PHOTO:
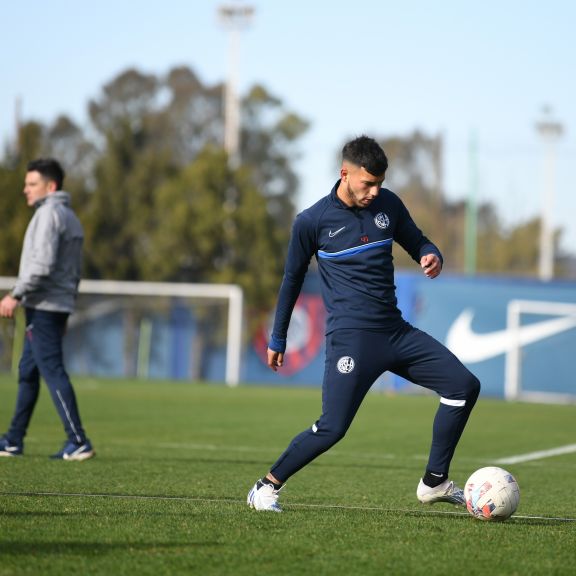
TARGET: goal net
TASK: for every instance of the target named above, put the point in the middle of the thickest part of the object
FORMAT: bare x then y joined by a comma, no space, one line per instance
539,361
146,330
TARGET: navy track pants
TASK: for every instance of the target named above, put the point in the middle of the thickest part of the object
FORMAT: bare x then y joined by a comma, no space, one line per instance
43,356
354,360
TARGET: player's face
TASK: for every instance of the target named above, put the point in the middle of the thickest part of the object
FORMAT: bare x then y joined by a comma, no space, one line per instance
37,187
360,187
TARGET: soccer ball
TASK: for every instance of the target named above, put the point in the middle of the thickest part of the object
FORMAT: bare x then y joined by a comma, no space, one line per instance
492,493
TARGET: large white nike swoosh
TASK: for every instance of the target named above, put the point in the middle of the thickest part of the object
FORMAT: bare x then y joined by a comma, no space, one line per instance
470,346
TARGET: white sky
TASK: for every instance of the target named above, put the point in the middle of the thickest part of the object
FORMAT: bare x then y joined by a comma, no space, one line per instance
448,67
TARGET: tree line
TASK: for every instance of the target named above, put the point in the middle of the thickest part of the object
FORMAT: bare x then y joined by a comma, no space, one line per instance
153,187
160,201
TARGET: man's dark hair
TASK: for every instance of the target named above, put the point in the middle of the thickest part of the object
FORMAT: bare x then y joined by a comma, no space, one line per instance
50,169
366,153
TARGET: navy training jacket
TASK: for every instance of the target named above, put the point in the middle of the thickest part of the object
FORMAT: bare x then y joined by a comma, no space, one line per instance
353,248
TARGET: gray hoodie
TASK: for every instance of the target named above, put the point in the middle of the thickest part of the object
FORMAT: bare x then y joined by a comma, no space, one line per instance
51,260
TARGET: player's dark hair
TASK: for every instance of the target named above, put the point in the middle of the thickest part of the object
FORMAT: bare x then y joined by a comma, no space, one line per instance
367,153
50,169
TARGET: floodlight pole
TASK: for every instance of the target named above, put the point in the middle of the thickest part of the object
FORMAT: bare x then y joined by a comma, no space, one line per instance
550,132
234,17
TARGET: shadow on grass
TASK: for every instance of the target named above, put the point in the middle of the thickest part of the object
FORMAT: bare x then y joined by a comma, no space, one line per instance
34,548
27,515
462,516
542,521
184,499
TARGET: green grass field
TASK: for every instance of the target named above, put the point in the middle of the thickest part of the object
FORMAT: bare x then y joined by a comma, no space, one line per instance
166,493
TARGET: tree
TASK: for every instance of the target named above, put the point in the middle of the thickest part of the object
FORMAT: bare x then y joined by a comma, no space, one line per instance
513,252
125,101
15,213
66,141
269,133
63,140
214,226
193,117
162,161
121,210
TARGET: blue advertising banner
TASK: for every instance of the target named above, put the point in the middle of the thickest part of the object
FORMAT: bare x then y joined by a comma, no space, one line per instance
470,315
518,336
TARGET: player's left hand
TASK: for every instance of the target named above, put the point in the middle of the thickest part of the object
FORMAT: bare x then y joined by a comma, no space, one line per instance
431,264
275,359
7,306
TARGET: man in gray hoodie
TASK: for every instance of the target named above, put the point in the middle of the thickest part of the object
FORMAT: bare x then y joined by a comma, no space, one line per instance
47,287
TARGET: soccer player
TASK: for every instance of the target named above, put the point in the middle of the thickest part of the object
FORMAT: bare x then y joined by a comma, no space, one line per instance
350,232
47,286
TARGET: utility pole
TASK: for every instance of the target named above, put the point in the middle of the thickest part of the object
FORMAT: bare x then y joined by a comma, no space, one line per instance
471,234
550,132
234,17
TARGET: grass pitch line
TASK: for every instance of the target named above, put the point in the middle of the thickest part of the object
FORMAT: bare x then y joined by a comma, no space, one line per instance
412,512
569,449
272,449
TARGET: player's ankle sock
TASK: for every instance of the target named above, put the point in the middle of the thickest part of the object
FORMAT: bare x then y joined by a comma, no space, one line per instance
432,479
276,485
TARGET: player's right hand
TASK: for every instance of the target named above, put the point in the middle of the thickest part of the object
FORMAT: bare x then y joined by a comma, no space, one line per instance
7,306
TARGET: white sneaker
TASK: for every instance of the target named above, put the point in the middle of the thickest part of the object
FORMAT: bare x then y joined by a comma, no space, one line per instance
445,492
264,497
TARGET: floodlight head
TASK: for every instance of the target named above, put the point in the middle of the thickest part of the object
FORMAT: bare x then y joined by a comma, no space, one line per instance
236,15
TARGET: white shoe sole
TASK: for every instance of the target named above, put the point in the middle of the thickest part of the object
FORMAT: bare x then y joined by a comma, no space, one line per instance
79,457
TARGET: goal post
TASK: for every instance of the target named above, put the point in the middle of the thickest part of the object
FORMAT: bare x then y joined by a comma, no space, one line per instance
230,293
564,320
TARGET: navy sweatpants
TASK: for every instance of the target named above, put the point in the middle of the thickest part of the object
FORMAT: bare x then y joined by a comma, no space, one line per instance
43,356
354,360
